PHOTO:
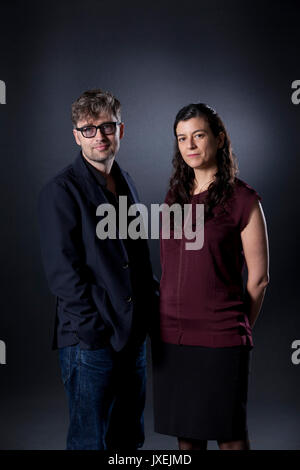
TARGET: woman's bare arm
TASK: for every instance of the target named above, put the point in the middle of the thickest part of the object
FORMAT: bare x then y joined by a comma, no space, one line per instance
256,250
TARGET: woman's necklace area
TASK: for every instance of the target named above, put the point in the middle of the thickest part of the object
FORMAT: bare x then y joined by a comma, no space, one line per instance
204,185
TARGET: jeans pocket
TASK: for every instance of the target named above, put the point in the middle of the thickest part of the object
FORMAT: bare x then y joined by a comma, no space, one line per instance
101,358
65,359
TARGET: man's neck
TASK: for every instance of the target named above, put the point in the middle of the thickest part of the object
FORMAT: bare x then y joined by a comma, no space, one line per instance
104,167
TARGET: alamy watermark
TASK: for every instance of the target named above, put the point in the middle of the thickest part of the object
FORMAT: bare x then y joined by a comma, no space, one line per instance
169,460
2,92
2,352
296,354
184,223
296,94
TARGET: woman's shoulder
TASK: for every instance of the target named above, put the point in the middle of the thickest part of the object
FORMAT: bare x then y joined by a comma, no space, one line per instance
243,199
244,190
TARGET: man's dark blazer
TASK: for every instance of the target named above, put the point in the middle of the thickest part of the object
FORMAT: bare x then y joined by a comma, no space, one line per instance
90,277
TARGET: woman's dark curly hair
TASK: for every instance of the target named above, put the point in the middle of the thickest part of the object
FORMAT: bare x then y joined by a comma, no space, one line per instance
182,180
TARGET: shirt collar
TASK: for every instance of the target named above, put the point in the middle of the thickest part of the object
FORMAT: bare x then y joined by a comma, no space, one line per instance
97,174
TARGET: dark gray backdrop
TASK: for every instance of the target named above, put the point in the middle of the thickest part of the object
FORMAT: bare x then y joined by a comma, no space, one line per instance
239,57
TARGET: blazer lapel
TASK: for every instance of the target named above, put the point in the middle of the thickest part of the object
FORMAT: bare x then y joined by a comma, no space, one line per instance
93,191
133,193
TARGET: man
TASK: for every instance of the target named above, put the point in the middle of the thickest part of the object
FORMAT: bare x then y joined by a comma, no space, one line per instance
104,287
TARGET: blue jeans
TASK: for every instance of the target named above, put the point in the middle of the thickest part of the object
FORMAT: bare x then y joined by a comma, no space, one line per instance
106,396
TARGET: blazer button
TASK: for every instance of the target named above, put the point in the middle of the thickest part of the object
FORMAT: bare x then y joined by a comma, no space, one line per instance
125,266
128,299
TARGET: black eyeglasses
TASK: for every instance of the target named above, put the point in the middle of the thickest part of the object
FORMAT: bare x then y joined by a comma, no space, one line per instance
106,128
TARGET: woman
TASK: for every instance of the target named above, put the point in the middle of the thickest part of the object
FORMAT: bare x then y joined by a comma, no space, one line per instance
201,362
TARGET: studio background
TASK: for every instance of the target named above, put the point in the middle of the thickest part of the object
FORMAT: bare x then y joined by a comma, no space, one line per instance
239,57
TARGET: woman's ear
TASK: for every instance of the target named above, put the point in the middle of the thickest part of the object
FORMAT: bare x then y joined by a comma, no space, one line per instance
221,139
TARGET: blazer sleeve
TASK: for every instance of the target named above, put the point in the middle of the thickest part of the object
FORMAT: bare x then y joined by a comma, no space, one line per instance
63,258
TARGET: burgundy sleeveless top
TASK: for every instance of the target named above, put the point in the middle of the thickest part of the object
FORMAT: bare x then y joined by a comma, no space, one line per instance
201,292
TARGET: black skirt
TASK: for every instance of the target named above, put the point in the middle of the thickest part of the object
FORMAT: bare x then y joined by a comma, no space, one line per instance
201,392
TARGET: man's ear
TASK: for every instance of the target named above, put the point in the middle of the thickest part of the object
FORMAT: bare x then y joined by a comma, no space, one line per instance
121,130
75,134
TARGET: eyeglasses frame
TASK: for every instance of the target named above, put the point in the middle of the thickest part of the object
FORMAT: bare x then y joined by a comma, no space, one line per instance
81,129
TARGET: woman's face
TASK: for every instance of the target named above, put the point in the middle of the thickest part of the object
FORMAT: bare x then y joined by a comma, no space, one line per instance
197,144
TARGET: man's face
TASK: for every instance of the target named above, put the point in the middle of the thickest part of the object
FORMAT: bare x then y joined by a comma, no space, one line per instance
102,147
